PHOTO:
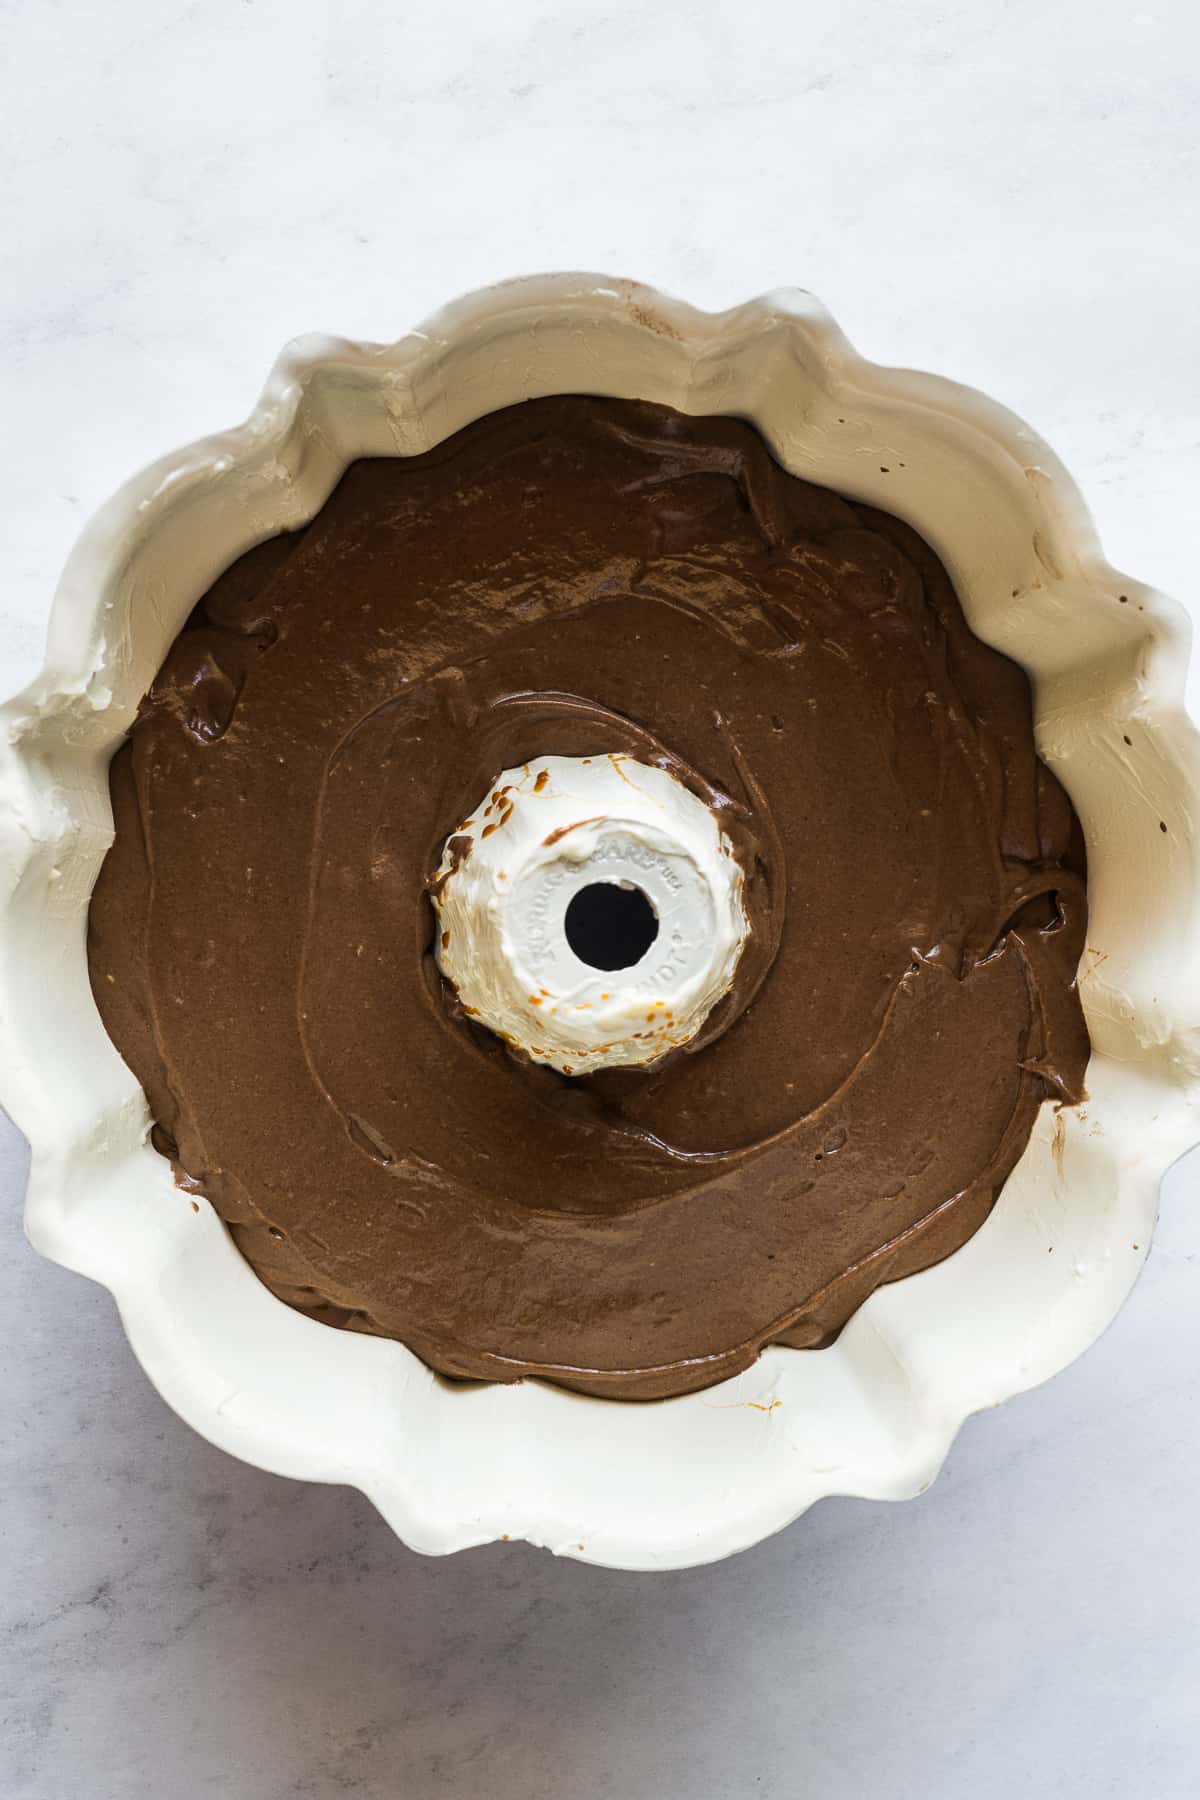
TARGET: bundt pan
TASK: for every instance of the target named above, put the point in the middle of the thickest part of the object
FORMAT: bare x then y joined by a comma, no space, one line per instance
681,1481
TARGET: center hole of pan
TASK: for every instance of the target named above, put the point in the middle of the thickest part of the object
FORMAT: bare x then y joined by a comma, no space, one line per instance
610,924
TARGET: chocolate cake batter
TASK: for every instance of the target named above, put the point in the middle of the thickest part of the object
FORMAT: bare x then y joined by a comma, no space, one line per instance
587,576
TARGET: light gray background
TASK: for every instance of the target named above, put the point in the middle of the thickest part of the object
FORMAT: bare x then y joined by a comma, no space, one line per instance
1005,192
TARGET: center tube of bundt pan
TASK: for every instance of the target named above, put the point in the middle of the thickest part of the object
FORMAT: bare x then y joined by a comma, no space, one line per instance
589,912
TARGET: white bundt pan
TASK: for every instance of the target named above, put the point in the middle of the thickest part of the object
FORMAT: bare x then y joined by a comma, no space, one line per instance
667,1484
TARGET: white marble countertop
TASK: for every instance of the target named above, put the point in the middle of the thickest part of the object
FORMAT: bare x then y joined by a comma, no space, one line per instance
1007,194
